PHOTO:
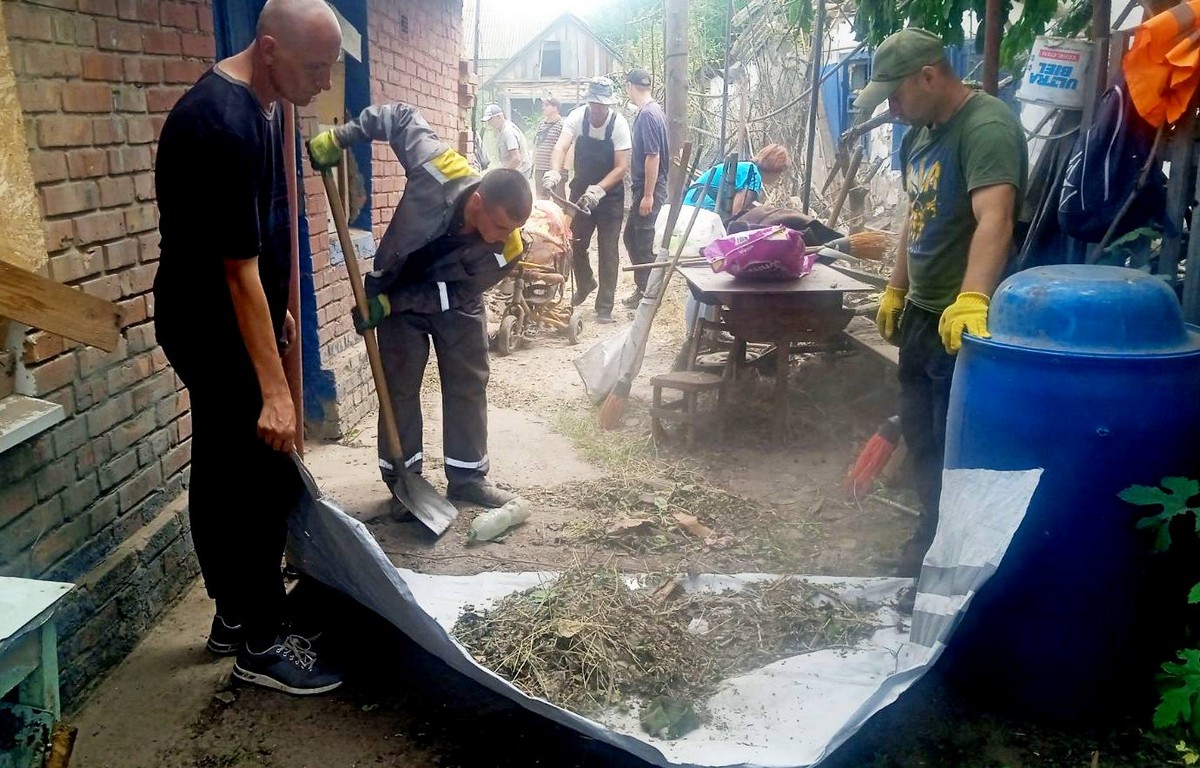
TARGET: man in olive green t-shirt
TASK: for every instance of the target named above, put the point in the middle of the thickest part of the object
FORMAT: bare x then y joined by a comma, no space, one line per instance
964,166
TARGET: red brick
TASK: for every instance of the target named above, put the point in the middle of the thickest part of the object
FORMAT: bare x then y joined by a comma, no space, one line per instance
206,22
102,66
133,311
148,247
39,96
179,16
42,60
130,98
108,130
52,375
40,346
139,279
66,5
140,69
48,166
143,185
26,22
59,235
107,287
99,7
74,266
140,130
123,253
74,29
69,198
118,36
199,46
140,219
163,99
64,132
116,190
182,71
138,10
87,163
161,41
108,225
87,97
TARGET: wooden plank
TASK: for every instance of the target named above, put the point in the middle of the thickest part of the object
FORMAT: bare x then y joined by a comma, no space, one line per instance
864,334
24,603
1181,153
42,303
1191,275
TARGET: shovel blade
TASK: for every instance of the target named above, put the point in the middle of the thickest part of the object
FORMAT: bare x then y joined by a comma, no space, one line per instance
422,499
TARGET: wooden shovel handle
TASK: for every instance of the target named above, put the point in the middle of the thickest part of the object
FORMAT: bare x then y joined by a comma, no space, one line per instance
390,431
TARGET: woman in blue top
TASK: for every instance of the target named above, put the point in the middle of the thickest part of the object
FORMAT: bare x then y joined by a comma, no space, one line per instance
769,164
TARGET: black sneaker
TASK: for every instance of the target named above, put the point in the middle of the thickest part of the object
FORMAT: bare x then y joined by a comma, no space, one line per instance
290,666
224,639
483,494
633,300
582,291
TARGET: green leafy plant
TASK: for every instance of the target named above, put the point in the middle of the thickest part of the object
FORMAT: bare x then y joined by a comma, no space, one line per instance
1180,693
1172,497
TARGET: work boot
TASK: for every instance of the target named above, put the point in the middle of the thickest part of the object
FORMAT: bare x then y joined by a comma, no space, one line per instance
481,493
224,639
633,300
289,665
604,318
582,291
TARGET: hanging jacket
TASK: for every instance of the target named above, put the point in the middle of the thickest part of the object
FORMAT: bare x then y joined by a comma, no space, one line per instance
438,181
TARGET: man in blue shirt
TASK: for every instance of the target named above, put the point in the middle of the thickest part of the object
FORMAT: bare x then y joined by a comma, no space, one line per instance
648,168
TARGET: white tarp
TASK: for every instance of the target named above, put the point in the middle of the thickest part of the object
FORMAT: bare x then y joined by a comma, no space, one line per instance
790,713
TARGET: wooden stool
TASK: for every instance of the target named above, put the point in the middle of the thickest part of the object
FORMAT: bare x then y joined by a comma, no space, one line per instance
685,410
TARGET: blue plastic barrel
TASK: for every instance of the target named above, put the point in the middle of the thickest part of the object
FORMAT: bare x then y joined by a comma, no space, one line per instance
1091,375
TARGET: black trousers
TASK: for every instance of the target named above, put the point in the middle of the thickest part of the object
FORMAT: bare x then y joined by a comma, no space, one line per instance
639,232
241,491
605,222
460,340
925,374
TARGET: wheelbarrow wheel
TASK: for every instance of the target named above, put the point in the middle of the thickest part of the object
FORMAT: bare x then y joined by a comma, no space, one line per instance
575,327
506,340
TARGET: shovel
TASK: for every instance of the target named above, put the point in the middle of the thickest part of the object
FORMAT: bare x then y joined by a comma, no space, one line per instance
413,491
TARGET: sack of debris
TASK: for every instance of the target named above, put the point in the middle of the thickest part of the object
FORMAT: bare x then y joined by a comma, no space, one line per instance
769,253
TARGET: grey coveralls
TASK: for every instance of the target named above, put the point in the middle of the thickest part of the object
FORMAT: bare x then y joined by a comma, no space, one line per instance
434,278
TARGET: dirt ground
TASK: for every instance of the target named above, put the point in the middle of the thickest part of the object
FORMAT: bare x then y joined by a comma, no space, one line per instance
781,507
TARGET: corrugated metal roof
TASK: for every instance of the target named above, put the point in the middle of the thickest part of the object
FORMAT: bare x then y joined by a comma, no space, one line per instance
505,28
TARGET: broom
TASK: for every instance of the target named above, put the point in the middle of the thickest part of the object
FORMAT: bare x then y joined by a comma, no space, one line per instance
873,458
618,399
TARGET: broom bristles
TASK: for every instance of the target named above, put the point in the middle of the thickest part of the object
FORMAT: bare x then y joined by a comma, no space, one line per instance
872,246
612,411
870,463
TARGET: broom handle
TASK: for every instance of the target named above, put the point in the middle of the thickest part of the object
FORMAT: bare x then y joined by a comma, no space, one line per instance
388,415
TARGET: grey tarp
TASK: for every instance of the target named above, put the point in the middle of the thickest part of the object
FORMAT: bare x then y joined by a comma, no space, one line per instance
791,713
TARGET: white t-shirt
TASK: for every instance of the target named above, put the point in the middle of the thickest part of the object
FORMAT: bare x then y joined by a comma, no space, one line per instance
511,138
621,137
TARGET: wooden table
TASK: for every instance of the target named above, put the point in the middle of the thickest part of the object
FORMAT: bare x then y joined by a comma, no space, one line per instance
29,665
806,310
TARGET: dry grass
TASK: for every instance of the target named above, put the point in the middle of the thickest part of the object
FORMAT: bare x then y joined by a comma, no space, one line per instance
589,641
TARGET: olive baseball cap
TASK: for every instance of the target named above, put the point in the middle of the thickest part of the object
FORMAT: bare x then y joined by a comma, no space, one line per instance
900,55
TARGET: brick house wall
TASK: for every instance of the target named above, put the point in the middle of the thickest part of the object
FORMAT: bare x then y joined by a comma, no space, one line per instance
97,500
413,52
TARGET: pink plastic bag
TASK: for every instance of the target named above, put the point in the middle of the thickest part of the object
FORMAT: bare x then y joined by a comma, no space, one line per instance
770,253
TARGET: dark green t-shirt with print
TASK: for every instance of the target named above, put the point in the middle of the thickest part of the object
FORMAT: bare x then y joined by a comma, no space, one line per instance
983,144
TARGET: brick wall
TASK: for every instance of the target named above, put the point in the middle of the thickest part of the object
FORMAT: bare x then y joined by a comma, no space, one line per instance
97,500
413,48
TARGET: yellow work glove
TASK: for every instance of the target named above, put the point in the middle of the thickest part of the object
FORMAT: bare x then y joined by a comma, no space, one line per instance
887,320
968,314
324,151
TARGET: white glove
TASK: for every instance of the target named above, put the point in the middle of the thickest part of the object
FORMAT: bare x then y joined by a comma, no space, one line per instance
592,195
551,180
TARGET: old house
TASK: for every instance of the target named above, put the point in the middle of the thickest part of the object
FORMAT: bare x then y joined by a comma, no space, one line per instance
95,494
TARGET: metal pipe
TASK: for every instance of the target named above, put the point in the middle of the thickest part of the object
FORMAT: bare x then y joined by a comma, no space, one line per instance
725,78
475,71
817,50
993,27
292,359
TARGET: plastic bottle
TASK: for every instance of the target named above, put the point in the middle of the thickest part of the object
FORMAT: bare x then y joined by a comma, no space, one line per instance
494,522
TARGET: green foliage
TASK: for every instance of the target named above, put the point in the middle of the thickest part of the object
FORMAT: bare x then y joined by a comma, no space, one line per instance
1172,497
876,19
1180,691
